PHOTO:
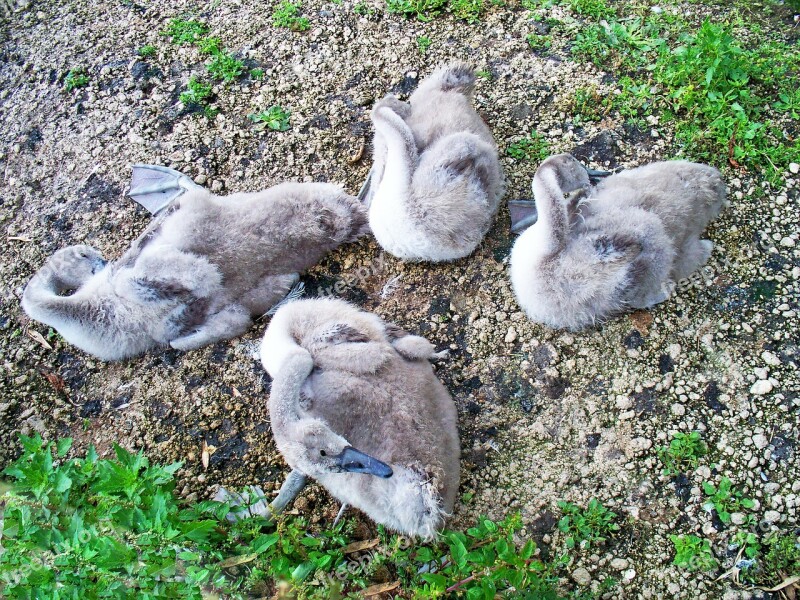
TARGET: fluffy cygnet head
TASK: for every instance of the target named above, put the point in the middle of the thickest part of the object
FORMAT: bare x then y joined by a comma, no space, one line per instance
74,265
319,451
569,173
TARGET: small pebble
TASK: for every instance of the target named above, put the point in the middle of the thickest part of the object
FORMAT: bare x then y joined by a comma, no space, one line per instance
761,387
581,576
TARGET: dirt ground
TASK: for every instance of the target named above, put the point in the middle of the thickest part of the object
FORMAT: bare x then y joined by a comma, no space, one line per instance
544,415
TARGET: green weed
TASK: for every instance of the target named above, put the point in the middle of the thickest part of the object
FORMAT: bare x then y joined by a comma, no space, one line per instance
423,43
185,32
685,450
287,15
76,78
147,51
725,499
275,118
91,527
693,553
588,526
592,8
533,147
748,542
197,92
424,10
363,9
257,74
538,41
225,66
209,46
469,10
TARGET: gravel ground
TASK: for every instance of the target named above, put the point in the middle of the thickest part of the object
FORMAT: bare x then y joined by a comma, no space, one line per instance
544,415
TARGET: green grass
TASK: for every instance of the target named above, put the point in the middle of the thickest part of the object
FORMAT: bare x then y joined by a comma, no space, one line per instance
586,526
287,16
185,32
726,500
781,559
257,74
693,553
683,452
76,78
90,527
275,118
423,43
725,98
147,51
587,105
533,147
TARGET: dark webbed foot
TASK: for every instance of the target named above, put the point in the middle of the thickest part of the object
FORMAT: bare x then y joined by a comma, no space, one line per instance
155,187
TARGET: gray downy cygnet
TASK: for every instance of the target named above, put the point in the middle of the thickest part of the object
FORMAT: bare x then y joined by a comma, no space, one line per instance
597,250
436,181
356,405
204,267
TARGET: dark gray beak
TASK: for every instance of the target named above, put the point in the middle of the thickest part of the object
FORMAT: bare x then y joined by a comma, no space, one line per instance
595,175
355,461
99,264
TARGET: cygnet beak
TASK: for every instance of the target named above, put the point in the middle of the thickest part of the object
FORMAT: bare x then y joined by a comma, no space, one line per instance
595,175
355,461
98,265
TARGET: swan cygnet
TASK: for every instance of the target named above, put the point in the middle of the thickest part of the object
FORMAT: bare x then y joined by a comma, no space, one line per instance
596,250
203,268
436,181
355,405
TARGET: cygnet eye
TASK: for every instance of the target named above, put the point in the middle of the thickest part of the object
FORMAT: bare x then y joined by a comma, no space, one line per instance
323,453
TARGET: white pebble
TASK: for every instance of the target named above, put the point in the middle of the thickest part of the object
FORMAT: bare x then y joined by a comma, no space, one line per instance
761,387
772,516
581,576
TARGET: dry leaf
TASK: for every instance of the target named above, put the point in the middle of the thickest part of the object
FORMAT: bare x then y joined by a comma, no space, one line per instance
236,393
19,238
38,337
236,560
205,455
360,545
359,153
55,380
380,588
783,584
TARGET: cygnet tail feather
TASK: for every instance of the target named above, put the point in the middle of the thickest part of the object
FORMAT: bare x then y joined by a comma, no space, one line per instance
458,77
294,294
